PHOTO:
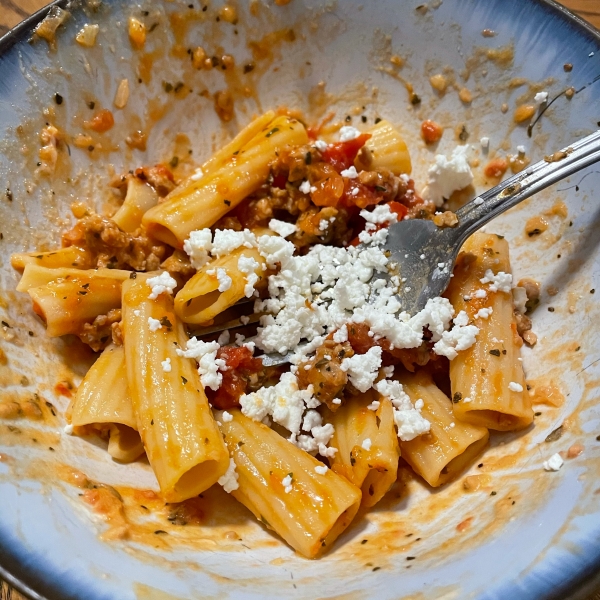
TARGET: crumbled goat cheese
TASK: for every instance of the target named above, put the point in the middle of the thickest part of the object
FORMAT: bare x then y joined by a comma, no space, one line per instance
286,482
224,338
227,240
197,174
363,368
554,463
137,313
349,173
480,294
312,418
282,228
484,313
501,282
320,145
205,354
374,405
244,320
153,324
321,470
348,133
460,337
447,176
521,149
515,387
166,365
485,143
407,416
341,335
227,417
197,247
283,402
380,215
366,445
229,481
224,280
540,98
161,284
520,299
68,429
249,266
304,187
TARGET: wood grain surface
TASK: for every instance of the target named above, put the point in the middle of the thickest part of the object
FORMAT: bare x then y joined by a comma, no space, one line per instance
14,11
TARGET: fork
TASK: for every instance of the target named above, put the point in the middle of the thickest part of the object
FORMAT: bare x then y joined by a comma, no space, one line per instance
425,254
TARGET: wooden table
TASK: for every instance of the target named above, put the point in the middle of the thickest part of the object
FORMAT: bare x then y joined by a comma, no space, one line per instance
13,11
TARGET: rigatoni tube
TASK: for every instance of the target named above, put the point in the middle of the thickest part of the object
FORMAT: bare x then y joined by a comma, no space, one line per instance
279,483
487,379
367,444
200,204
182,441
451,445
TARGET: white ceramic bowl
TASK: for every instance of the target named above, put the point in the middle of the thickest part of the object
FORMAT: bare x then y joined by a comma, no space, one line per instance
537,537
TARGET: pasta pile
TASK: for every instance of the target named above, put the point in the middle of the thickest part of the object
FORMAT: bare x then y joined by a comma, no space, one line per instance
290,224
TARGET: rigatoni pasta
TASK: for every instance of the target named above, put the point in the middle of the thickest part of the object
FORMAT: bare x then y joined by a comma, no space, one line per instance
488,383
286,489
367,444
180,436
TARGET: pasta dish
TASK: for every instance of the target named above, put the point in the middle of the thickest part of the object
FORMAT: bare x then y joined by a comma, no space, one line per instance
250,334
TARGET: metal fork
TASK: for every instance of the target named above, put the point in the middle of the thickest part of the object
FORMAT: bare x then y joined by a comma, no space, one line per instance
425,254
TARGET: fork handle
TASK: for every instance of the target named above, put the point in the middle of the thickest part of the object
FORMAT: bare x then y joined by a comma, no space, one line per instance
519,187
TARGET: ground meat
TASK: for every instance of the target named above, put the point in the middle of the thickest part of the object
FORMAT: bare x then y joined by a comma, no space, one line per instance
325,373
178,264
524,329
294,162
98,334
114,248
159,177
271,202
532,287
228,222
325,226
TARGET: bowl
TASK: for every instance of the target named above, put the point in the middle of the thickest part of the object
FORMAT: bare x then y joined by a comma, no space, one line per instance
535,534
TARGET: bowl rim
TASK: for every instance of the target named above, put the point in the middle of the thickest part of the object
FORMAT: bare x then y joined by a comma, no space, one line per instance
585,583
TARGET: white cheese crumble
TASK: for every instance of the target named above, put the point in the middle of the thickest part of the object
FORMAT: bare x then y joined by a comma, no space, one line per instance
348,133
286,482
205,354
304,187
521,149
485,143
197,174
363,368
249,266
224,280
153,324
321,470
320,145
515,387
224,338
501,282
446,176
379,215
282,228
484,313
374,405
407,416
366,444
161,284
554,463
460,337
229,481
197,247
349,173
166,365
480,294
137,313
541,98
341,335
68,429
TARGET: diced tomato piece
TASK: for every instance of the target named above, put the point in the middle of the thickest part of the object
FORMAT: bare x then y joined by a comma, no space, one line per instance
365,196
399,209
279,181
341,155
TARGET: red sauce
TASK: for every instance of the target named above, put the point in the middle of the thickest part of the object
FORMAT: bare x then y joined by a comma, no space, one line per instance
341,155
